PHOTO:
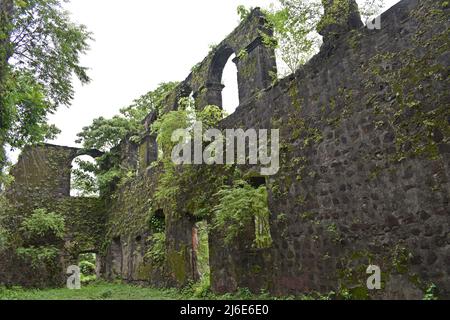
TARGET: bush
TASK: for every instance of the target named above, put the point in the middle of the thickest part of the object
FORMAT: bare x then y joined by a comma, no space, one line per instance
157,251
239,206
38,256
87,267
43,224
4,239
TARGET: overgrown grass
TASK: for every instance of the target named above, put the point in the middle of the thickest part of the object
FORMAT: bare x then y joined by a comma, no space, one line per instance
94,291
100,290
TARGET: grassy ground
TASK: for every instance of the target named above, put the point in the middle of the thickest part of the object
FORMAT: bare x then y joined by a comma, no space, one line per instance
101,290
96,291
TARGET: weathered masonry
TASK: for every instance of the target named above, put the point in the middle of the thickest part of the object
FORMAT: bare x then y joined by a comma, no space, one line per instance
364,177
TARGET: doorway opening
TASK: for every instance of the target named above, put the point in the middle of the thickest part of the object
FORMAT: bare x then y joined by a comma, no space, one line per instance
200,256
89,267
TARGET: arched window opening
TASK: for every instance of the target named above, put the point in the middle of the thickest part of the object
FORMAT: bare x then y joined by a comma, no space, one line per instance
83,181
230,92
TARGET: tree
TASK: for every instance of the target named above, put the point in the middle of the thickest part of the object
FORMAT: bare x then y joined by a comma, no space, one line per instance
40,50
105,134
295,29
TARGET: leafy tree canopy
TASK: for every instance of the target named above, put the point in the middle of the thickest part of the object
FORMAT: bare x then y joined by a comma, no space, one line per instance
295,26
104,134
40,50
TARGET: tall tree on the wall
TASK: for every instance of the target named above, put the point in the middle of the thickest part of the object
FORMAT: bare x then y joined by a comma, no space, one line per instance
295,25
39,54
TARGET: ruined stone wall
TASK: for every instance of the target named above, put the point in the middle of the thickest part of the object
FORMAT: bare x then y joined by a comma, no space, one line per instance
363,179
42,181
364,166
364,174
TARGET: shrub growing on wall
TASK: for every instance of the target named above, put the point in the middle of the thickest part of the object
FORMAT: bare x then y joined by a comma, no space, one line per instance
41,233
42,224
239,206
157,250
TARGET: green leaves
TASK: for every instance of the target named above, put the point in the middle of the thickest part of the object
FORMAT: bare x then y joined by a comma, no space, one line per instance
295,23
4,238
243,12
104,134
239,206
48,45
166,125
157,251
25,113
38,255
84,180
39,53
41,223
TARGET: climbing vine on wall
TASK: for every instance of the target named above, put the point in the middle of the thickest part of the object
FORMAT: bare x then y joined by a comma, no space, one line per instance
174,177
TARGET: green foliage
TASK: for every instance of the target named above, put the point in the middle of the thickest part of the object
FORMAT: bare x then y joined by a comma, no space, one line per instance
42,255
238,207
87,263
104,134
173,176
42,223
210,116
430,293
157,224
39,52
84,180
87,267
97,290
202,289
48,45
157,250
100,290
295,23
26,107
203,252
166,125
5,230
4,238
243,12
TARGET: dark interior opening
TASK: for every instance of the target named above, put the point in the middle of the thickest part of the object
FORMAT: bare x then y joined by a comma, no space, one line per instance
256,182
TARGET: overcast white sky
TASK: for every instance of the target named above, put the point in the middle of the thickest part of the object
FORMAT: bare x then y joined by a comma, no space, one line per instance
140,43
